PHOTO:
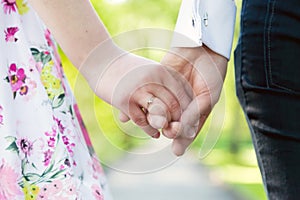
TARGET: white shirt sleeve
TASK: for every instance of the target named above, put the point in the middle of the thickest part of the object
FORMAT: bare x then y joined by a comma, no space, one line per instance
209,22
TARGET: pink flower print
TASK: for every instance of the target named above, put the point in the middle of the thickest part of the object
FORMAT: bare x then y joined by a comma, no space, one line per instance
82,126
19,72
61,128
52,133
62,167
47,157
1,116
97,192
71,190
13,67
52,45
51,142
9,187
16,78
10,34
70,149
97,168
42,196
65,140
43,193
23,90
9,6
25,146
55,187
48,37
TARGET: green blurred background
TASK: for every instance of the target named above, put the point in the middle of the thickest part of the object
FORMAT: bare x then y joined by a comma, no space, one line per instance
232,158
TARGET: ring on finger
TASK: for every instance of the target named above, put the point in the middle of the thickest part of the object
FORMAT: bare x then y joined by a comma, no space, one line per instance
150,101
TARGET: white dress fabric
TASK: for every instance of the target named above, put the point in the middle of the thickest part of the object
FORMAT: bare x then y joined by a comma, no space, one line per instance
45,151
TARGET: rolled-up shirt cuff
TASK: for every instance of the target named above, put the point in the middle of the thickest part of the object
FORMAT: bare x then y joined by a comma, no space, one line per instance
209,22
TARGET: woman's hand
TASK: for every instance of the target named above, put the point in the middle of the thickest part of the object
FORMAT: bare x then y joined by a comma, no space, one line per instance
145,91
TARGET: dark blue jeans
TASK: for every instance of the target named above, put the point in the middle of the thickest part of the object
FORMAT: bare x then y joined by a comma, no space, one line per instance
267,61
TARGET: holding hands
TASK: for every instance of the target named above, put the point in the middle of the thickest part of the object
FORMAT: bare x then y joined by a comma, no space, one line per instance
176,96
144,91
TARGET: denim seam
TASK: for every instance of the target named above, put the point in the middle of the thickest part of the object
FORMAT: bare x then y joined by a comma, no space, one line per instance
269,40
266,66
270,81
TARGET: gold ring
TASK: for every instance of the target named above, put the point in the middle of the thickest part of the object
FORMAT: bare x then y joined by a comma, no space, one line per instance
150,101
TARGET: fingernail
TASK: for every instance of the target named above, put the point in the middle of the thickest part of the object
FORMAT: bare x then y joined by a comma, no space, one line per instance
172,131
156,136
176,128
190,132
178,150
196,125
158,122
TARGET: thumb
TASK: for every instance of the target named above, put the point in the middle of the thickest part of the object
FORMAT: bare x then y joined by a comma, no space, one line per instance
192,121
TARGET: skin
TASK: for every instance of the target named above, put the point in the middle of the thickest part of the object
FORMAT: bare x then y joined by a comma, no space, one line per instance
205,71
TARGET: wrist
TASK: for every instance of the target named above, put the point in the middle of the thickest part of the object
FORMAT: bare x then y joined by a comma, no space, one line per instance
192,53
98,60
201,58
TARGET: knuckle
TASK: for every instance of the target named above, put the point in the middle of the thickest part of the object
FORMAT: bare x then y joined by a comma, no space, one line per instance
140,121
174,106
180,94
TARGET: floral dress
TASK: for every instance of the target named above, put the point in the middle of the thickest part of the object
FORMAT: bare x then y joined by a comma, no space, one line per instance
45,151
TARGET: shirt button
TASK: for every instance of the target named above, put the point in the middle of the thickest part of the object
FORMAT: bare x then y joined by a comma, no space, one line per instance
205,19
193,22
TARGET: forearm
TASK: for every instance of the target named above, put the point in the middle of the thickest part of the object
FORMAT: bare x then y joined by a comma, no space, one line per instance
74,24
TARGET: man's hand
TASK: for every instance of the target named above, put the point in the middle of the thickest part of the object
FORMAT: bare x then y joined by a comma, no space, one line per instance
205,71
